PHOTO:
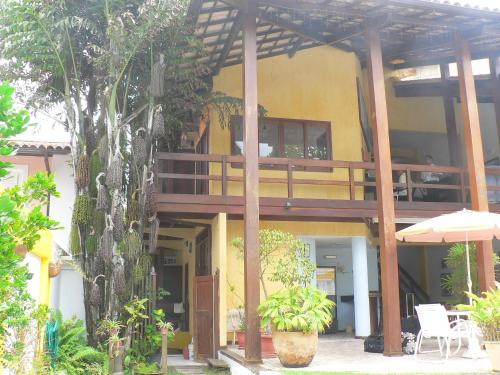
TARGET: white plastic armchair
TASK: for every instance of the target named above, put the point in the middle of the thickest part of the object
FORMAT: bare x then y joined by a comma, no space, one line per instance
434,324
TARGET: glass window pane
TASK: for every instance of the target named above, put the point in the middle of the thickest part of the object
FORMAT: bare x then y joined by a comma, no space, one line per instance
317,143
268,139
237,128
294,140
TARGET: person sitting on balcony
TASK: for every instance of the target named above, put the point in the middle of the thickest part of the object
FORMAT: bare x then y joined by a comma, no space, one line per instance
430,177
401,192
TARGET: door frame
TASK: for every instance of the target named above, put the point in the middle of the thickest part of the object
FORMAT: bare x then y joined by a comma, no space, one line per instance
214,311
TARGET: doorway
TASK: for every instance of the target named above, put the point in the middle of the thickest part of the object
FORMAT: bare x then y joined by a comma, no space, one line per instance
206,299
326,277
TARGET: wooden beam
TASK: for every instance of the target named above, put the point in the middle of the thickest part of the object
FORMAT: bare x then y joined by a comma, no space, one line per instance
385,199
295,46
448,9
475,157
194,9
251,188
454,147
495,88
435,87
235,29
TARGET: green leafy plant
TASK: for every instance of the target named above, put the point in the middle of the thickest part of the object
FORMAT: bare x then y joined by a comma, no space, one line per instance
283,258
485,311
21,222
74,356
456,281
297,309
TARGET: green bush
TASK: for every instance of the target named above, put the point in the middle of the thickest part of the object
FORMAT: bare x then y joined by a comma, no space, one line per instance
297,309
485,311
74,356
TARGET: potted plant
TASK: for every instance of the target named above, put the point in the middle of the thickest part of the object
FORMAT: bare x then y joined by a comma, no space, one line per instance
296,314
241,332
485,312
283,259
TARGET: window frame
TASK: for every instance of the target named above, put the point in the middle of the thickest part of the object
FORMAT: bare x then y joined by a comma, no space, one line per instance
279,121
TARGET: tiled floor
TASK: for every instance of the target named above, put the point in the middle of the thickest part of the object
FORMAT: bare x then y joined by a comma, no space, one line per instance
343,353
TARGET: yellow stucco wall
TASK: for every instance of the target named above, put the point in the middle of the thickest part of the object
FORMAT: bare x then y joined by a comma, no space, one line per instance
316,84
43,250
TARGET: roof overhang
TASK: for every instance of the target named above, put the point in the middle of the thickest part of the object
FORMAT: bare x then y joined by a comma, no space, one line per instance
413,32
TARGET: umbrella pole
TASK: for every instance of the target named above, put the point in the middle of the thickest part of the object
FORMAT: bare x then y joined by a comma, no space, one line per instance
469,280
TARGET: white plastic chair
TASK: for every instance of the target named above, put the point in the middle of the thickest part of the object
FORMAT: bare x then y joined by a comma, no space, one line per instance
434,323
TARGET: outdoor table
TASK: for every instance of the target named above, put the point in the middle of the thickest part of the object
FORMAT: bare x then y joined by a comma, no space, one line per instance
473,348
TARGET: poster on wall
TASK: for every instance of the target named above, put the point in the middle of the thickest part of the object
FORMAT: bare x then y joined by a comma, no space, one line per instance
325,278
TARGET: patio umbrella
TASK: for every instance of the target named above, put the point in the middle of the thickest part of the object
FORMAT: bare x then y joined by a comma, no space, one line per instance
460,226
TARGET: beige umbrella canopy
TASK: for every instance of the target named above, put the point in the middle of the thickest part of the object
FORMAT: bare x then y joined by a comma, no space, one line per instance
460,226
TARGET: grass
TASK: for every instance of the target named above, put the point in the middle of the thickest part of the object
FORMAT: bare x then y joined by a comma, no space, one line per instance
291,372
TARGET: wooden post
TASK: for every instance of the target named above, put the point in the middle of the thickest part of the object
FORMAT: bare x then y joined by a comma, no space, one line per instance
495,82
454,148
153,288
385,200
251,169
475,157
164,351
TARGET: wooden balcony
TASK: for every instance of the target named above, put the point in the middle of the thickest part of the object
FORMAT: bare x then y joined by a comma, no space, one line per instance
200,186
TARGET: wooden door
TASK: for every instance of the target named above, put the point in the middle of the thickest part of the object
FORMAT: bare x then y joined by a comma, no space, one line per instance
203,254
204,317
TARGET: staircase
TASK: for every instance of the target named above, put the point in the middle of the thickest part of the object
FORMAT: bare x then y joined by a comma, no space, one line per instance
410,293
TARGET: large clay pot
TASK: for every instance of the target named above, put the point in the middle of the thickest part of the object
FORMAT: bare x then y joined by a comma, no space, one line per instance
295,349
493,349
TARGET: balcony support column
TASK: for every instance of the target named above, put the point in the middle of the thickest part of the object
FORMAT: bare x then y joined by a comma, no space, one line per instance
251,189
475,157
449,114
495,81
385,199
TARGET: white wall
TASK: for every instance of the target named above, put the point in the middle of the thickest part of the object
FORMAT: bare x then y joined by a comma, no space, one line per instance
67,293
33,263
61,208
344,282
67,287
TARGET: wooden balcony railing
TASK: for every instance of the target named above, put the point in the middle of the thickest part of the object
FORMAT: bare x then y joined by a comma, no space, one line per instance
357,178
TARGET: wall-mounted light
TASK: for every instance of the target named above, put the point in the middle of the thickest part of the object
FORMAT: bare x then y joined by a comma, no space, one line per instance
330,256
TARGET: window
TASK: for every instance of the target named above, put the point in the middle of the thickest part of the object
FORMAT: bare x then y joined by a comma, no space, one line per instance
285,138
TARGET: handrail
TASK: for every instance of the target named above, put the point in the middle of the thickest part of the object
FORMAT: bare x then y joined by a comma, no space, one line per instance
288,167
413,285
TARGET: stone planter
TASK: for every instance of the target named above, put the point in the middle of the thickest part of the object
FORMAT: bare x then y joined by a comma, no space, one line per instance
295,349
493,349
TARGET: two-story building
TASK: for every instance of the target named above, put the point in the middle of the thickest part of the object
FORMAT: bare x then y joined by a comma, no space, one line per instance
357,94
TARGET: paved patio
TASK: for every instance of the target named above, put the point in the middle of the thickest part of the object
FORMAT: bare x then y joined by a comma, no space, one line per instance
343,353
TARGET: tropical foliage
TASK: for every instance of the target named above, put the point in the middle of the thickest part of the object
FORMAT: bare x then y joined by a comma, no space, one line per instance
21,222
124,75
283,258
297,309
485,311
74,356
456,281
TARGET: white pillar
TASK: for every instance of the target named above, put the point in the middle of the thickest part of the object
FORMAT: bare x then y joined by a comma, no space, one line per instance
361,288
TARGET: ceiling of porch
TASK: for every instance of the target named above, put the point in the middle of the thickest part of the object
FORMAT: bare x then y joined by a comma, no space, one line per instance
413,32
